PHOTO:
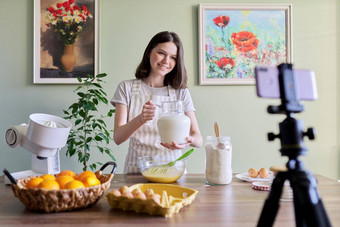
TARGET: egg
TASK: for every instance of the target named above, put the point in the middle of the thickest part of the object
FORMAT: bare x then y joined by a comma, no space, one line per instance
149,192
124,189
140,195
116,192
156,198
252,172
136,191
263,172
128,195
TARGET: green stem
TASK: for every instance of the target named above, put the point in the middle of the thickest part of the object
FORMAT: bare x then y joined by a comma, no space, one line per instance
85,132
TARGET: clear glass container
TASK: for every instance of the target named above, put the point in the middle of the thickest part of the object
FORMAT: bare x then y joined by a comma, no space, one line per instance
173,125
218,170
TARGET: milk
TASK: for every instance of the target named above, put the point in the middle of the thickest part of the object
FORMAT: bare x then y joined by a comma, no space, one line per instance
174,128
173,125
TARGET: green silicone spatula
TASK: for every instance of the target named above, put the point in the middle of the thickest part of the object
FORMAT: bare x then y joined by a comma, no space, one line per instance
164,168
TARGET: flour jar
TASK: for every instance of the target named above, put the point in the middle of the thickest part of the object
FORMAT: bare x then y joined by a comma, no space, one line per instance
173,125
218,169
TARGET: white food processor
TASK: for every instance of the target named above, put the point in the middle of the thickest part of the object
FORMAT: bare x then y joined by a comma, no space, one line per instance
43,136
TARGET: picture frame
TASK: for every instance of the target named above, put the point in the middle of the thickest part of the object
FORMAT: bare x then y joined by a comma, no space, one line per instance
234,38
65,42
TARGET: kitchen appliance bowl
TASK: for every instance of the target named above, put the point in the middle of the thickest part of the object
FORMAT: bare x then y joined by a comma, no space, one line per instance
153,170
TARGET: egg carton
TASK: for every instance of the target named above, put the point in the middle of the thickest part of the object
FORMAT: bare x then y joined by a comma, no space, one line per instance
173,199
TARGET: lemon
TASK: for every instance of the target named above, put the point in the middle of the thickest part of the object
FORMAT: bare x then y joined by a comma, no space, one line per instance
90,181
74,184
49,184
63,180
67,173
47,176
33,183
84,174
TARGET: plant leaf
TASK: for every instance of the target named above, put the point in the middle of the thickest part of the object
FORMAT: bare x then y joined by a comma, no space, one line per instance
98,138
77,121
101,75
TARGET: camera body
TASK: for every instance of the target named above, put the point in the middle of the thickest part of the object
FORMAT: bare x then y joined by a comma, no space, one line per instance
268,86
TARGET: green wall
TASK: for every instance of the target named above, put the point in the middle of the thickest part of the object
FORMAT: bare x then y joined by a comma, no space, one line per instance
126,26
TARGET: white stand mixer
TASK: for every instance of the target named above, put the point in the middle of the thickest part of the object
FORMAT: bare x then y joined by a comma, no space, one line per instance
44,136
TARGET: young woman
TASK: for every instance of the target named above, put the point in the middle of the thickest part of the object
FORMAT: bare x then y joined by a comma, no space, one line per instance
161,76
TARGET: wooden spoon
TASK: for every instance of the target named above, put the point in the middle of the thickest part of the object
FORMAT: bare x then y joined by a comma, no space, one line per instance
217,130
217,133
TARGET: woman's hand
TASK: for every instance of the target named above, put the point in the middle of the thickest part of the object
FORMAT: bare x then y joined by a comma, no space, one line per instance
148,112
176,146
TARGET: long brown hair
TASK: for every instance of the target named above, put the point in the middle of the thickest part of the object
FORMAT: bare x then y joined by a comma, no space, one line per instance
177,78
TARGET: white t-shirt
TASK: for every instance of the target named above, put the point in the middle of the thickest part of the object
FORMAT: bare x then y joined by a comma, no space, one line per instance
124,90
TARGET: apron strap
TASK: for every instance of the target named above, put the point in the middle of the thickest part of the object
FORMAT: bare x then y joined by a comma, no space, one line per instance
172,93
135,87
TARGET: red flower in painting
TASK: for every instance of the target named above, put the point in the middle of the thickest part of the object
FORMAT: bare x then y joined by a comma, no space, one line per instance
221,21
67,20
51,10
223,62
245,41
66,4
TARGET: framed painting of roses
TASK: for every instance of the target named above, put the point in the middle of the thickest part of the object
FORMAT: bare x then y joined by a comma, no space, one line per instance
234,38
65,40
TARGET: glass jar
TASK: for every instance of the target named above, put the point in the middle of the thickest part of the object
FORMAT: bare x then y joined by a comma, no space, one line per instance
218,169
173,125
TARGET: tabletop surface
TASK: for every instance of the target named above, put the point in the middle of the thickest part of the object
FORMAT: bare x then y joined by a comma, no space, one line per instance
236,204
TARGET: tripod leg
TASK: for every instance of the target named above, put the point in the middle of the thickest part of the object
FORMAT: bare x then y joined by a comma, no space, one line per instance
309,209
271,205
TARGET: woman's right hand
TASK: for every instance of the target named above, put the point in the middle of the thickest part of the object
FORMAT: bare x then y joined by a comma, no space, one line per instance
148,112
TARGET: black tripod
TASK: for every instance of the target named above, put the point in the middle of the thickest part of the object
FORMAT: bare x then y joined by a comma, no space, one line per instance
309,209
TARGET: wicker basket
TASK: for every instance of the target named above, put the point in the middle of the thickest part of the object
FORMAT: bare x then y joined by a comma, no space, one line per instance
63,199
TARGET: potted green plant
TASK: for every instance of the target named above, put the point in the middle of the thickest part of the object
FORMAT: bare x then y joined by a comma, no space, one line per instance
90,130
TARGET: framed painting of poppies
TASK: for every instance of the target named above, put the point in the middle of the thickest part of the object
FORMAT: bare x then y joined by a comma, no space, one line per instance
65,40
234,38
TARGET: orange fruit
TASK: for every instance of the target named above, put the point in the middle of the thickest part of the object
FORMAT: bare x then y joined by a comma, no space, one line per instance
33,183
49,184
74,184
47,177
90,181
84,174
67,173
63,180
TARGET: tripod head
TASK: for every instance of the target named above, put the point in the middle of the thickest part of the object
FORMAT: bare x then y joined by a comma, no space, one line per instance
291,130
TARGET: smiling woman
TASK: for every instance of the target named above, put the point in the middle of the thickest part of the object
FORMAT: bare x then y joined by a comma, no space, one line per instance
160,76
162,61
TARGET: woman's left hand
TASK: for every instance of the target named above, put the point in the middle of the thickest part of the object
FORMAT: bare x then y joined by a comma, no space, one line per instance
176,146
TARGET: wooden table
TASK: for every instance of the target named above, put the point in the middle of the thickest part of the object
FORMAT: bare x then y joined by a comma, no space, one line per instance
236,204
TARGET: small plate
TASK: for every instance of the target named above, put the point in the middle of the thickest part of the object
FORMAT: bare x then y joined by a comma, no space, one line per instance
262,186
246,177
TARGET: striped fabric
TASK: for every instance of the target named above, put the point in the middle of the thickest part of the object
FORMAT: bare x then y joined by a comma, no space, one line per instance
146,140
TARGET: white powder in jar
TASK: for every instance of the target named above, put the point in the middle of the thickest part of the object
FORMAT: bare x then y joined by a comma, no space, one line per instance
218,164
